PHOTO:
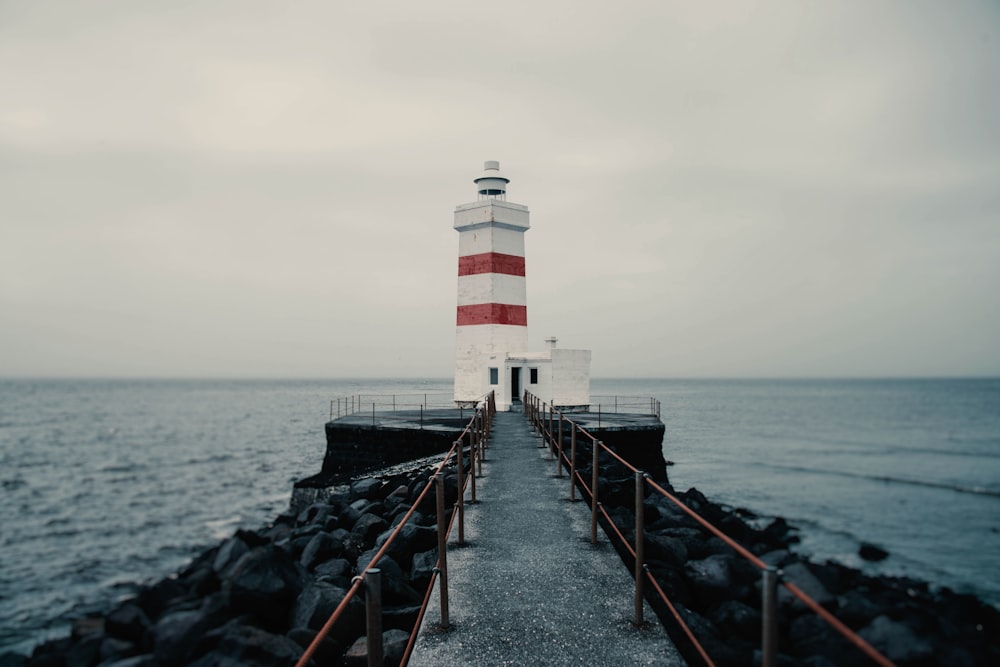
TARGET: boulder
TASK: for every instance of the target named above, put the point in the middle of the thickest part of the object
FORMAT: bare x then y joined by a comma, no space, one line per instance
113,649
229,553
809,636
666,548
247,645
393,646
871,552
335,568
423,565
316,604
144,660
896,641
735,619
85,652
128,621
265,582
711,578
321,547
368,526
175,635
327,653
799,574
366,488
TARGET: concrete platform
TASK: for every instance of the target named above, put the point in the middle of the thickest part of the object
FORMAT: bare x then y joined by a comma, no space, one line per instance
443,419
529,588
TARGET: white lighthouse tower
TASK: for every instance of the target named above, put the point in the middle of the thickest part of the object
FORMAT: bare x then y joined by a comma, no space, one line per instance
491,350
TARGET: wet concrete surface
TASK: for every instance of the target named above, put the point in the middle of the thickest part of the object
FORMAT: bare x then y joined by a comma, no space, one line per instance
529,588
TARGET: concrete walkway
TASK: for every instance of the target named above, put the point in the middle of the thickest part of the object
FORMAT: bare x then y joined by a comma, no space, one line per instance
529,588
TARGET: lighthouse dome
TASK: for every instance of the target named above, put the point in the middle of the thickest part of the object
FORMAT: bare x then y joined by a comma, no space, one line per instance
492,183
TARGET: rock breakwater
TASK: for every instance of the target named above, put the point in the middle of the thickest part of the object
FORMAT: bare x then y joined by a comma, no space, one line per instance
261,596
717,592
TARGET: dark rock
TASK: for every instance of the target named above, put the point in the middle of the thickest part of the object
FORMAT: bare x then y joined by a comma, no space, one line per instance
85,652
247,645
128,621
800,575
327,653
315,605
144,660
113,649
817,661
87,626
734,618
395,588
322,547
777,558
410,539
896,641
389,567
12,659
334,568
175,635
779,534
51,651
666,548
402,618
393,646
229,553
856,610
366,488
265,582
809,635
349,516
711,578
368,526
873,553
423,565
155,599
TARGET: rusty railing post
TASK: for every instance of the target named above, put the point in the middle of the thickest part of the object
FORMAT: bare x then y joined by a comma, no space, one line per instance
640,550
572,464
559,448
460,502
769,616
551,438
442,549
593,497
373,613
473,455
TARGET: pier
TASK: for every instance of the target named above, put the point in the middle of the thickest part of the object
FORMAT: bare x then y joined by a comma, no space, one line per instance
525,576
528,587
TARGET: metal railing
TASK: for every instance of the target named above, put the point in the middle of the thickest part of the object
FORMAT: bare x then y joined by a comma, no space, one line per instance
639,405
476,434
549,422
384,408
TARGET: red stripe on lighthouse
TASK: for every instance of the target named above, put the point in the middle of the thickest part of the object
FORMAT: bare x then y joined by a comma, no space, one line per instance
491,262
493,313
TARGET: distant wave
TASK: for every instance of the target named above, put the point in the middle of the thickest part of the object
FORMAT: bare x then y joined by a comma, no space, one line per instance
868,448
960,488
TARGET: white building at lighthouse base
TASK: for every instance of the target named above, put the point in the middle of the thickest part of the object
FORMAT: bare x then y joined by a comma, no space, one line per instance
558,376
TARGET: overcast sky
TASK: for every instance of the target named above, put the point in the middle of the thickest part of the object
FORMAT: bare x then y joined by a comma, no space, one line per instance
716,189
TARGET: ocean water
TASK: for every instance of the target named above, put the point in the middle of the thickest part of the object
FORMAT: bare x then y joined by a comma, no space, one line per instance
107,484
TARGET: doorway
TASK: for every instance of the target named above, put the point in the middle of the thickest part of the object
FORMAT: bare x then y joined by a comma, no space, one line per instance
515,384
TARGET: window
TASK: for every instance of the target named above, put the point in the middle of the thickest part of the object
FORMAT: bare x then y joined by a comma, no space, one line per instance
494,376
534,376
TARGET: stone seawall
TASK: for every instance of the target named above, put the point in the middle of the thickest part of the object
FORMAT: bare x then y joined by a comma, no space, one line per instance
352,449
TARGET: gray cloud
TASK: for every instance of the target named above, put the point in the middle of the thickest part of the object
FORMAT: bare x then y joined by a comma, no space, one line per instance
242,188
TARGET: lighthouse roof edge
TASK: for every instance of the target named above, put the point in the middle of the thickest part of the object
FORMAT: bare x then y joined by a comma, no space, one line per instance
499,203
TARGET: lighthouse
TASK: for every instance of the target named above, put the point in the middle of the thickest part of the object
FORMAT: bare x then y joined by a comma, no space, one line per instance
491,351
